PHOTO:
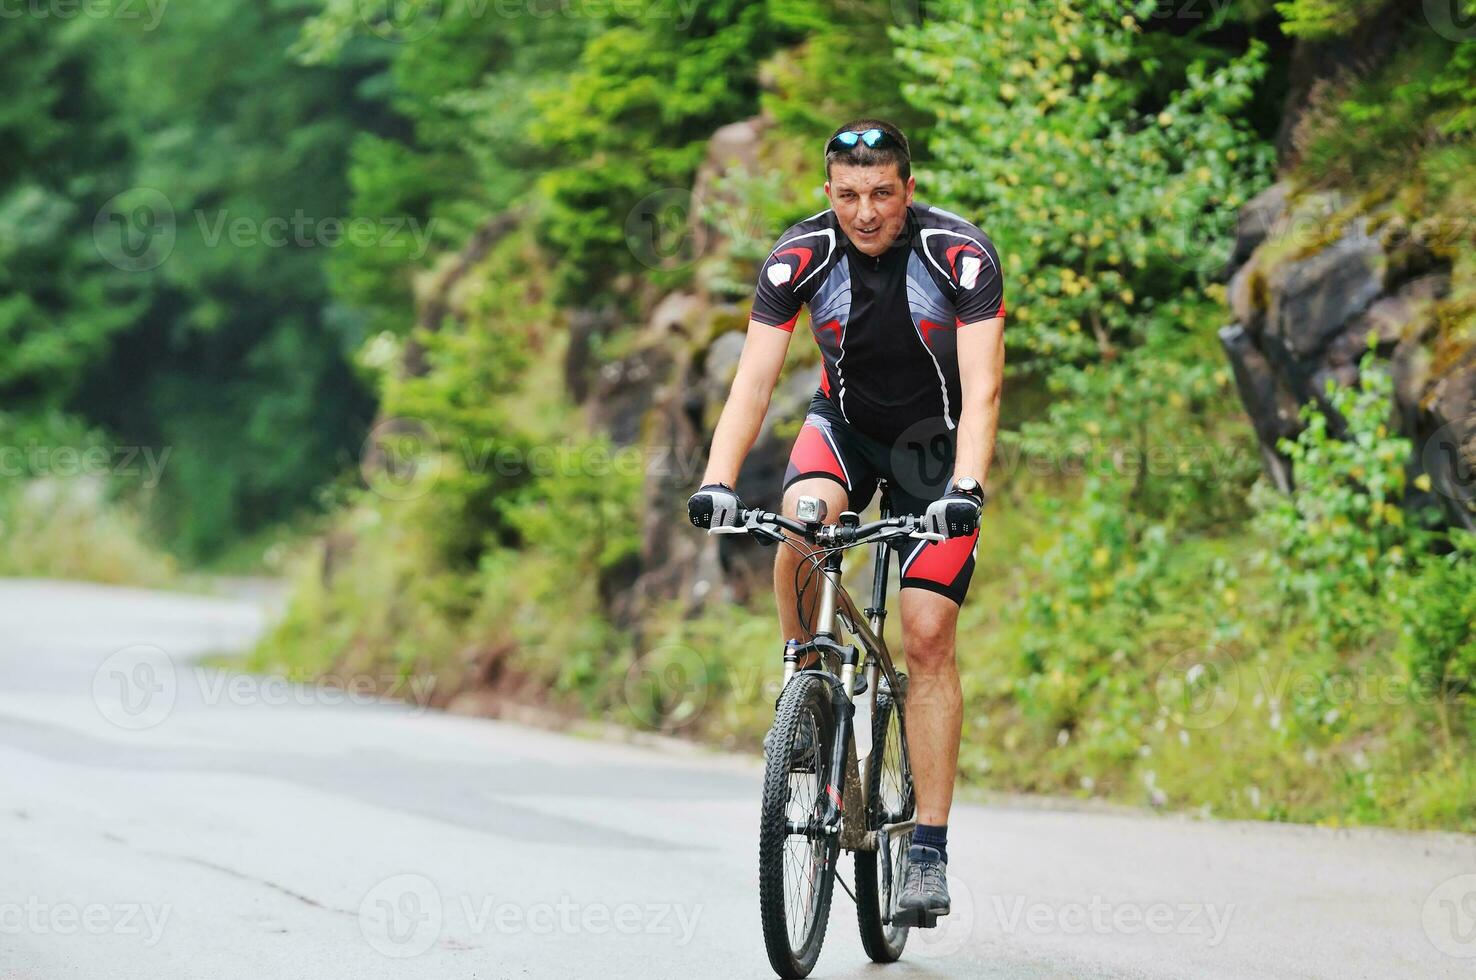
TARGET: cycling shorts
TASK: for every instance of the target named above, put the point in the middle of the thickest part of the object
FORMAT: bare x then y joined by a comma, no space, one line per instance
917,468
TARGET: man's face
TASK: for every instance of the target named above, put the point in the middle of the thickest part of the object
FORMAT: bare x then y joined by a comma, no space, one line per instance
870,202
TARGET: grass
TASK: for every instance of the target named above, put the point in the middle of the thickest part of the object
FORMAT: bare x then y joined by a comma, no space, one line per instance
68,529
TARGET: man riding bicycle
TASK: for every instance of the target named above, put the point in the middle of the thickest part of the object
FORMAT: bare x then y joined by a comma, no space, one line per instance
906,302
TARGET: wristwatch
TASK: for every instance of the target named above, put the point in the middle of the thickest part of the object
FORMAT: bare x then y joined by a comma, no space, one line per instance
970,486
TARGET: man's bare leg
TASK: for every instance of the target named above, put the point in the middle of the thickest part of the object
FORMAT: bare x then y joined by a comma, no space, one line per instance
934,700
787,559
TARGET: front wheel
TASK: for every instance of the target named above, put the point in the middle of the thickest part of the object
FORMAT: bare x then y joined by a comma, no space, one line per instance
796,857
890,799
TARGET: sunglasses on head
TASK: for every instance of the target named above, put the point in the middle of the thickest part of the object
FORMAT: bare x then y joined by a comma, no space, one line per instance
871,137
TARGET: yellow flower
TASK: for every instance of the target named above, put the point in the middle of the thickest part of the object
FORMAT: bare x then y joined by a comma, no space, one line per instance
1165,119
1423,482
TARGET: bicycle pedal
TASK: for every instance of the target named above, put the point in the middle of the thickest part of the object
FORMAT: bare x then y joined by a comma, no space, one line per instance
916,918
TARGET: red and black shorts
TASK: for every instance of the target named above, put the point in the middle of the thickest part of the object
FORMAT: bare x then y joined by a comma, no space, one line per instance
917,468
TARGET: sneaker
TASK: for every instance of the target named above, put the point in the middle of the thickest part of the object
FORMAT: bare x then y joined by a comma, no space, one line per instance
926,886
804,756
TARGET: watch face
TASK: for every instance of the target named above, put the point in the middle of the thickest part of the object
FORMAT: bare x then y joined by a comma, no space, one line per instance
968,485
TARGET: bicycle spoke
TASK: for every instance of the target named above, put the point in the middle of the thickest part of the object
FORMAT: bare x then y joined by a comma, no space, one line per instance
804,861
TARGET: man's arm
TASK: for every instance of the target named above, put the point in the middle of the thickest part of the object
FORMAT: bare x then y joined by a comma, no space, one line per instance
748,401
981,373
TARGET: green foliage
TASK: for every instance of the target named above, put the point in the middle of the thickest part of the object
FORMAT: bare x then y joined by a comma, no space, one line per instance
632,119
63,152
1110,211
845,68
1101,206
71,505
1342,537
1318,20
1381,128
1438,611
225,350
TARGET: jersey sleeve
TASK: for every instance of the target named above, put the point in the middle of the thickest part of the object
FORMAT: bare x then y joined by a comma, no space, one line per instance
775,301
980,284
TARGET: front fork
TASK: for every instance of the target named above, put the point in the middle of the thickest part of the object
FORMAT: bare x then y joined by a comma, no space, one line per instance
842,700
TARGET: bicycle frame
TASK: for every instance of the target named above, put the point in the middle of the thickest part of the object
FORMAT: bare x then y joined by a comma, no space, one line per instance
847,771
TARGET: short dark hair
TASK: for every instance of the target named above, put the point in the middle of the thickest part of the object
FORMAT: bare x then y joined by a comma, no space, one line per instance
894,150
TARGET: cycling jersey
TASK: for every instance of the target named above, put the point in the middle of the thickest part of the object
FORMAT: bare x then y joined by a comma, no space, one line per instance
886,324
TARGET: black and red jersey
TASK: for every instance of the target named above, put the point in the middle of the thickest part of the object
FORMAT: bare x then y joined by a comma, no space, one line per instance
886,324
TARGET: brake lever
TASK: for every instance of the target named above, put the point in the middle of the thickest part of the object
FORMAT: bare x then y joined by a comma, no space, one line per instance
765,533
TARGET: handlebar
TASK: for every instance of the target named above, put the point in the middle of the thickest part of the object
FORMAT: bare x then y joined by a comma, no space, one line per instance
764,524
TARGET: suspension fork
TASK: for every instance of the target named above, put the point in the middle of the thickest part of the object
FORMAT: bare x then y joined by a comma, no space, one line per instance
840,694
876,613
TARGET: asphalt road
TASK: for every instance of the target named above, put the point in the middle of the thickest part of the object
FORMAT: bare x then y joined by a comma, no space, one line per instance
161,820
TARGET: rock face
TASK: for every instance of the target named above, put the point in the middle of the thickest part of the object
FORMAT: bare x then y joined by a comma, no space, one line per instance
1311,285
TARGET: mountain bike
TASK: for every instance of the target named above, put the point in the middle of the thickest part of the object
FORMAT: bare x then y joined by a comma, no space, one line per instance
836,771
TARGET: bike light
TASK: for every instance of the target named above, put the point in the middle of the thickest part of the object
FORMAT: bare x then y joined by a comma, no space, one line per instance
811,510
